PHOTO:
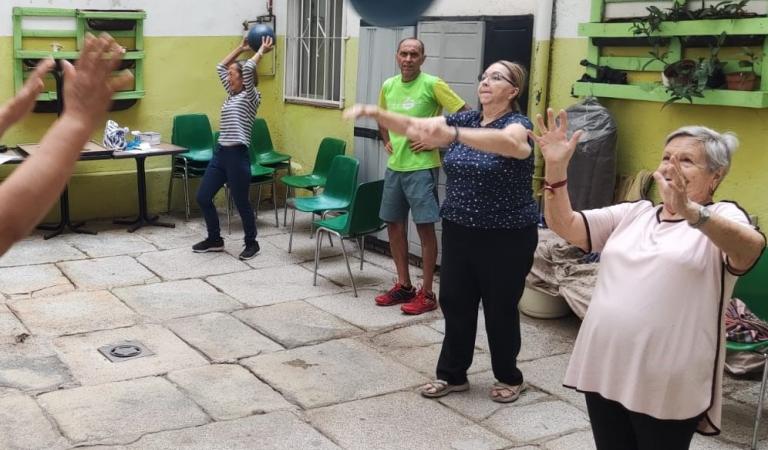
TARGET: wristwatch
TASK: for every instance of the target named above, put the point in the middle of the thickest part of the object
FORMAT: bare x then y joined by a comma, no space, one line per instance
704,215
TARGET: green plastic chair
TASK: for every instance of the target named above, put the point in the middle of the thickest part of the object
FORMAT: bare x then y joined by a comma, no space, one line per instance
329,148
752,289
361,220
264,150
192,131
337,195
260,176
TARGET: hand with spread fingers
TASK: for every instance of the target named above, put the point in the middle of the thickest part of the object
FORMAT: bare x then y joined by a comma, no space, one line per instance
674,192
553,141
89,84
24,101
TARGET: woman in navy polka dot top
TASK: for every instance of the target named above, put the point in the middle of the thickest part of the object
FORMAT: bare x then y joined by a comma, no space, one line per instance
489,225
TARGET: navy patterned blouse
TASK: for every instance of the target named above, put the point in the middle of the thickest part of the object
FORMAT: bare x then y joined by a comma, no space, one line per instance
485,190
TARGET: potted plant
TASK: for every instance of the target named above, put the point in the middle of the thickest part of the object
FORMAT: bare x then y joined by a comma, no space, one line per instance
744,80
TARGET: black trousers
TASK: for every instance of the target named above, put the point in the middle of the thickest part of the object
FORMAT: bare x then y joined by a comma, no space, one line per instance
488,265
617,428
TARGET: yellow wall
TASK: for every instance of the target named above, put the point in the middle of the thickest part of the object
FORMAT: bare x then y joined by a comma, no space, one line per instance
180,78
642,127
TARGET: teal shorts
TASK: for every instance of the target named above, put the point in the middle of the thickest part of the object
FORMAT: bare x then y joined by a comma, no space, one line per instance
415,191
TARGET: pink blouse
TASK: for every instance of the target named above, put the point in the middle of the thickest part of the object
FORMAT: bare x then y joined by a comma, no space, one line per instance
653,336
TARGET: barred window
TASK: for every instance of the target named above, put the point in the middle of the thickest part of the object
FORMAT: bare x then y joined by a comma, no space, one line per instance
314,57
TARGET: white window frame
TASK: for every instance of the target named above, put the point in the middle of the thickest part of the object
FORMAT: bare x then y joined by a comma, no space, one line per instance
304,88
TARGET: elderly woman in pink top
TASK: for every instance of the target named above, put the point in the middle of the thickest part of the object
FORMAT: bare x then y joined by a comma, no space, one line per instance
649,354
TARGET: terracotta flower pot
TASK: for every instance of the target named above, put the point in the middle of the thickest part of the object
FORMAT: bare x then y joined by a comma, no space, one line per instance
742,81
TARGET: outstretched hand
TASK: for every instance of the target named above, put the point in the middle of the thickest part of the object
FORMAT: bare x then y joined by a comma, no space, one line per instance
553,141
673,191
89,84
359,110
20,105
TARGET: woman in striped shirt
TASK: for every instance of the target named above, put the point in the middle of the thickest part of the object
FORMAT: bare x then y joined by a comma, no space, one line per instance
230,163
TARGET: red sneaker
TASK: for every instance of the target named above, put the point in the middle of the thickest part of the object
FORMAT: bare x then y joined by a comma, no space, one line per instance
423,302
398,294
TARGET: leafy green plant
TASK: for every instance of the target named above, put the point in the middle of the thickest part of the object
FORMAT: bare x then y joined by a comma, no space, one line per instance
750,60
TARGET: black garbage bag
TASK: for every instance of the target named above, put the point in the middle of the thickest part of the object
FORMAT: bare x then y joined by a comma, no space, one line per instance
592,170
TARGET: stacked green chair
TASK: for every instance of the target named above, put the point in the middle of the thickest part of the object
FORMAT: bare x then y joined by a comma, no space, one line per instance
752,289
361,220
264,152
329,148
337,195
260,176
192,131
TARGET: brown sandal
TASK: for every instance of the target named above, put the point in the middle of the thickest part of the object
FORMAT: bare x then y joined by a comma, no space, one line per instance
441,388
513,392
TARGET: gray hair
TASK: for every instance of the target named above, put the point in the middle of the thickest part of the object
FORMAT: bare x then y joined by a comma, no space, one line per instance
718,147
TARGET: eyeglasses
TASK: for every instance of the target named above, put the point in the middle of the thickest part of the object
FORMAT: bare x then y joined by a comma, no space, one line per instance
494,76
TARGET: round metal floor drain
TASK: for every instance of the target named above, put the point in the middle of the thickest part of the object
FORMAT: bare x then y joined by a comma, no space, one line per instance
125,351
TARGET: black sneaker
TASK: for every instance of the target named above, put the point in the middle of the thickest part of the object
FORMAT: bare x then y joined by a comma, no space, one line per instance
209,245
251,250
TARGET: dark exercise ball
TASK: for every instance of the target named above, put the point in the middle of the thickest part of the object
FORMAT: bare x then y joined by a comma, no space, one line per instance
257,32
387,13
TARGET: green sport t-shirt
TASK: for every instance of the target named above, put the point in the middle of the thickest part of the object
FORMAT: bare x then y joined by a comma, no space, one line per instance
425,96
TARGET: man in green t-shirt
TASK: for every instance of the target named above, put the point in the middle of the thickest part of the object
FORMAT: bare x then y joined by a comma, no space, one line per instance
411,177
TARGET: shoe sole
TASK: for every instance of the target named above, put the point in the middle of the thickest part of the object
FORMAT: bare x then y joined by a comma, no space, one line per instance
399,302
416,313
511,399
445,391
243,258
212,249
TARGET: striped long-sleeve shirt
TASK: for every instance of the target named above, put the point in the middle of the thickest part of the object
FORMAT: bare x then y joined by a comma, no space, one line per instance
238,110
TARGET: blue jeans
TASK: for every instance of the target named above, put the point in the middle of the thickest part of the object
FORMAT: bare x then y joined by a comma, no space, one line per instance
229,165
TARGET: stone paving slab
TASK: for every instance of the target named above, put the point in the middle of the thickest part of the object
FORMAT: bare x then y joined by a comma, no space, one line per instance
536,342
275,431
304,247
400,421
23,425
32,367
331,372
738,423
537,421
335,269
173,299
222,337
110,243
88,366
228,391
580,440
476,403
273,285
33,281
117,413
181,263
10,327
294,324
269,254
363,312
413,336
710,443
184,235
36,251
548,374
424,359
75,312
106,273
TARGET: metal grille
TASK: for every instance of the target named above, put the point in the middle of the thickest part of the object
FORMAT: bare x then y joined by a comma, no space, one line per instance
314,57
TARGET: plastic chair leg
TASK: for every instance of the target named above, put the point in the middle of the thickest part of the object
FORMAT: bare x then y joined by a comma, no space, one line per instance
760,401
274,204
318,244
362,251
285,205
346,260
186,191
293,222
258,201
